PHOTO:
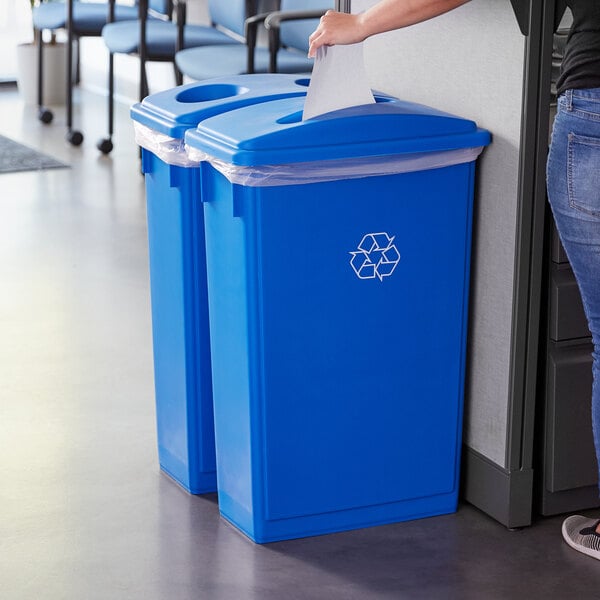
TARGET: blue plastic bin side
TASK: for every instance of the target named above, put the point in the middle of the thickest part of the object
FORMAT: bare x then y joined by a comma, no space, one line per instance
344,408
181,345
182,367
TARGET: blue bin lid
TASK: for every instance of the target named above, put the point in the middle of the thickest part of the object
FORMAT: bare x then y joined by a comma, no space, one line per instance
174,111
273,133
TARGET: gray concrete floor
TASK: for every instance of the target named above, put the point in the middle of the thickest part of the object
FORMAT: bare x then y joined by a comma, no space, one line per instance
84,510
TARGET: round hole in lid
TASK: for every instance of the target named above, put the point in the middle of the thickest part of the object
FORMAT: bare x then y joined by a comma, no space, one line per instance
289,119
210,92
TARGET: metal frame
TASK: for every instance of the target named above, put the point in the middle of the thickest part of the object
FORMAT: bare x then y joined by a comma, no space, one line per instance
343,5
44,114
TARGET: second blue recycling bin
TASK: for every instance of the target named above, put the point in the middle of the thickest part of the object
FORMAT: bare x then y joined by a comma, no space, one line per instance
182,369
338,256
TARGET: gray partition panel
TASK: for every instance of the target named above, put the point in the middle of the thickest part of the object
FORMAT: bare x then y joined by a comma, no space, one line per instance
476,62
471,62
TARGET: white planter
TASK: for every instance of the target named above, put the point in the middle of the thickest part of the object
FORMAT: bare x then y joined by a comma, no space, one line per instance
55,73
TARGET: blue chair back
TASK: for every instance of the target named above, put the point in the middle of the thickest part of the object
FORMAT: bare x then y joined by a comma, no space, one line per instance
160,6
231,14
294,34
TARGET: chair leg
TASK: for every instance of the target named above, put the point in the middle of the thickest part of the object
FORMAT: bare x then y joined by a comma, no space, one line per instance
111,94
144,88
178,75
75,138
105,145
144,91
44,115
40,66
77,62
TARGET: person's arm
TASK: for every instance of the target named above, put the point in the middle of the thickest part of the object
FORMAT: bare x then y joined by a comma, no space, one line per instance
341,28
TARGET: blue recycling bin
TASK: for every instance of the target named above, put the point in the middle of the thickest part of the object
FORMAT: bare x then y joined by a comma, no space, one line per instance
338,274
182,369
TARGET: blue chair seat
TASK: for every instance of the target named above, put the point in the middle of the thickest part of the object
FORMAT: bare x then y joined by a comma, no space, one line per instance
88,17
204,63
161,38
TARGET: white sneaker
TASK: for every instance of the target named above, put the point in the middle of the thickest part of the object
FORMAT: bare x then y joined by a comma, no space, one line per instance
580,533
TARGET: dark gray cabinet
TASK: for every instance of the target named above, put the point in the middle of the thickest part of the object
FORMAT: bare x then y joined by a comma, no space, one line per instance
570,462
567,477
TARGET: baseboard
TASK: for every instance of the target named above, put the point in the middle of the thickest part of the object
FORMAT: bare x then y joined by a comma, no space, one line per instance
568,501
506,496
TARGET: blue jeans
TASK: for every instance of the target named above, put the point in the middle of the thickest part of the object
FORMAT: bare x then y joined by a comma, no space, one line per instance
574,192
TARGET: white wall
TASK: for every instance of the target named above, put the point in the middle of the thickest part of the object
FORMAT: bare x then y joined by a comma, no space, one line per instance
15,28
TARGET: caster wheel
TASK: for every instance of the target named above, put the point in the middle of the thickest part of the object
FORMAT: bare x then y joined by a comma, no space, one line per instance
75,138
45,115
105,146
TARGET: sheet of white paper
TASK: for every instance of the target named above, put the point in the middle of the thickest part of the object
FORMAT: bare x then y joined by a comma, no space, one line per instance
339,80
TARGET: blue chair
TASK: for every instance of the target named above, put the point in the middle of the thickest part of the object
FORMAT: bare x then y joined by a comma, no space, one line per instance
80,19
289,29
159,40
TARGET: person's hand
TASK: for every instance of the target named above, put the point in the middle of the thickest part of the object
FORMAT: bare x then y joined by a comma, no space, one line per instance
336,28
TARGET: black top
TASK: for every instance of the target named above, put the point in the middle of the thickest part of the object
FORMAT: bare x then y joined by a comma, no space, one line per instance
581,63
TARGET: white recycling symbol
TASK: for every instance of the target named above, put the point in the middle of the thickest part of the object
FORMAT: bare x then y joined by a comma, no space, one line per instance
376,256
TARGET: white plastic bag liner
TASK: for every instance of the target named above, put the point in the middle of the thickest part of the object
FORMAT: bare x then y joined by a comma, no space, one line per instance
333,170
174,151
169,150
